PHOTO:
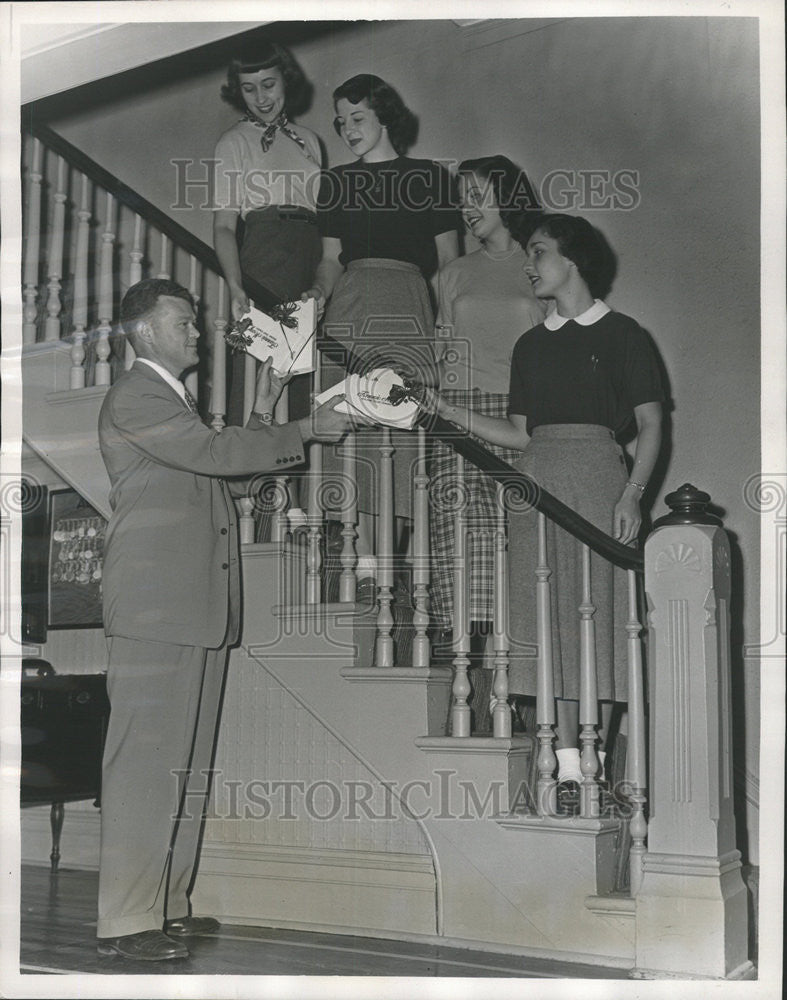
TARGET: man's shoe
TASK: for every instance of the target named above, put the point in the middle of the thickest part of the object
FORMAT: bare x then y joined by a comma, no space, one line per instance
145,946
191,926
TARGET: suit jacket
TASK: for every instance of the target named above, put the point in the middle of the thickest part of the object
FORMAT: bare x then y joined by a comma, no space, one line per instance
171,559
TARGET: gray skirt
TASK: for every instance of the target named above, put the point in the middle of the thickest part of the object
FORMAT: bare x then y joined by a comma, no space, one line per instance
380,312
582,465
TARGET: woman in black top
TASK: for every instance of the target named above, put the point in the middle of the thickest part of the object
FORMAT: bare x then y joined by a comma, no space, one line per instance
577,379
387,222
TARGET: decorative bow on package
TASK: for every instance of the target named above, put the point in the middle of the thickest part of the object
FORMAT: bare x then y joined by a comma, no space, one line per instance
380,396
286,334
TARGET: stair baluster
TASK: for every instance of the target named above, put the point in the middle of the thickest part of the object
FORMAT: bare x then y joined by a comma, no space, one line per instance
32,246
164,268
348,558
134,275
636,760
460,710
192,380
314,515
421,646
105,297
218,393
500,709
384,651
55,255
77,380
283,499
545,699
588,696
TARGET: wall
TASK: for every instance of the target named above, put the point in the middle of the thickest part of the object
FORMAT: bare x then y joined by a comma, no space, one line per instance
675,99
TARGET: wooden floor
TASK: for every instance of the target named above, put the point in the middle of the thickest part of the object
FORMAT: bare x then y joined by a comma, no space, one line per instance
58,930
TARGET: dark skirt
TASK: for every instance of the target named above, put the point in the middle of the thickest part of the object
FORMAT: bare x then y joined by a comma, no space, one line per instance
481,513
381,316
582,465
282,254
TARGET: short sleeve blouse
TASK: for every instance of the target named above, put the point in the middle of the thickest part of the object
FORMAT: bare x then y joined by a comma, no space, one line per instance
577,374
248,178
393,209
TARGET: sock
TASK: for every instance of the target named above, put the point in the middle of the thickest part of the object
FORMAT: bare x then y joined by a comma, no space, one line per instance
367,566
568,764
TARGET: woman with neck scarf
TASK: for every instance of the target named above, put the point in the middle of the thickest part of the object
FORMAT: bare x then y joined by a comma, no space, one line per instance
267,174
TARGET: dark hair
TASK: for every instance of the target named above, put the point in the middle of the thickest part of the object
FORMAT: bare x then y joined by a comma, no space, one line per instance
140,300
579,242
391,111
264,55
514,194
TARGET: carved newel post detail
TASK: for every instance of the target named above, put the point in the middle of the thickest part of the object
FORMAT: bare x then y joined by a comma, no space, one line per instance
691,907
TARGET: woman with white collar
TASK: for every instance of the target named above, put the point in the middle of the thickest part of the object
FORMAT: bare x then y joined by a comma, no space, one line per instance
577,379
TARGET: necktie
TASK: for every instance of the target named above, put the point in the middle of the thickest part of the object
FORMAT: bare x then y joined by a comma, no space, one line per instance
191,401
269,129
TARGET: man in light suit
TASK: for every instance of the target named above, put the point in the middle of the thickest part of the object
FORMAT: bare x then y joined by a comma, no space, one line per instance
171,581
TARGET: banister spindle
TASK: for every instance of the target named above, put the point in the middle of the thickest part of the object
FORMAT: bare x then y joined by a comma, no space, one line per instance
588,696
545,690
134,275
32,246
55,256
501,711
636,764
421,646
314,515
164,268
283,500
105,297
80,288
218,389
385,517
249,384
349,515
195,275
460,709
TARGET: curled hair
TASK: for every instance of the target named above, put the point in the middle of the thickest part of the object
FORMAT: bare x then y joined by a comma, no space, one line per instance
578,241
265,55
391,111
514,194
140,300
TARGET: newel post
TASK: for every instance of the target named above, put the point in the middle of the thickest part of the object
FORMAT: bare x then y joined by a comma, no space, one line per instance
691,909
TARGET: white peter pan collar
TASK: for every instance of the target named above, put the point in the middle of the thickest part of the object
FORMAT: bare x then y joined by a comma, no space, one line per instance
599,308
168,377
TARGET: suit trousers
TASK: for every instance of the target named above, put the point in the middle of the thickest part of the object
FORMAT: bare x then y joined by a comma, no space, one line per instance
165,704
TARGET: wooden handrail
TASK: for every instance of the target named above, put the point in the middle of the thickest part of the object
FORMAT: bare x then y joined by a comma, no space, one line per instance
566,517
145,209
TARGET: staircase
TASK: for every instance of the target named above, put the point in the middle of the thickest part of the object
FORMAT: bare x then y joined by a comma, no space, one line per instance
339,801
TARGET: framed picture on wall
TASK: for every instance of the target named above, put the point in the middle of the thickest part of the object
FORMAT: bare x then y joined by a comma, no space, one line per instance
76,553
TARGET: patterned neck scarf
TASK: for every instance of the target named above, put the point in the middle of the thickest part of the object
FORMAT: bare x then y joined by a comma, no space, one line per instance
269,129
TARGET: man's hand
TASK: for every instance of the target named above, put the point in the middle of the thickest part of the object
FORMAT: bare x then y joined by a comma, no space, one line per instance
325,424
269,387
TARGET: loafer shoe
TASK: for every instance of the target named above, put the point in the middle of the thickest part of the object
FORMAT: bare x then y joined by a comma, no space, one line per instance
190,926
145,946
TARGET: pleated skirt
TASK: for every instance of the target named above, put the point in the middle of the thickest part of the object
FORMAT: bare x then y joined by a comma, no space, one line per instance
582,465
381,315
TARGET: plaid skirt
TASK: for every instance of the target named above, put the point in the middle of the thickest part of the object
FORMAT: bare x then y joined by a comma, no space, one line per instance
480,493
